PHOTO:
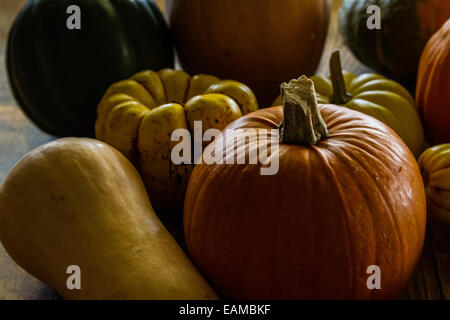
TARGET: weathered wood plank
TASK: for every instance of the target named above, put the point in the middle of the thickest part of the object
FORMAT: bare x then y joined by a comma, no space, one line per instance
424,284
17,136
440,238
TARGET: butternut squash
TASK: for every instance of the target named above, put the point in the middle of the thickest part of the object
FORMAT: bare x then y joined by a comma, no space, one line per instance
139,115
81,202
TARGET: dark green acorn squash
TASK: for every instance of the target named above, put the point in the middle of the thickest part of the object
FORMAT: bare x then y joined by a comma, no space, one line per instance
406,26
58,76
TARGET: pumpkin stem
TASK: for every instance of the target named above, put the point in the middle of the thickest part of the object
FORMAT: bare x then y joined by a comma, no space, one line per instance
303,123
340,95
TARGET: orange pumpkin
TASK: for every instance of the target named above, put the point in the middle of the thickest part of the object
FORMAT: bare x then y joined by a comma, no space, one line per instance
348,195
433,86
260,43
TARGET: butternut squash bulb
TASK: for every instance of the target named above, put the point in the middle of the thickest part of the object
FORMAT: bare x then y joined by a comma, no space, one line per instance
435,166
80,202
347,196
138,116
374,95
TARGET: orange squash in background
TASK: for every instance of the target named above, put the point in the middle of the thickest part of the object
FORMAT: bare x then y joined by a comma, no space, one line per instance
433,86
258,42
344,198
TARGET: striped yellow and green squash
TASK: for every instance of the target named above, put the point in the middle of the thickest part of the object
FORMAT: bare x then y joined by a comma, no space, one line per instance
137,116
374,95
434,164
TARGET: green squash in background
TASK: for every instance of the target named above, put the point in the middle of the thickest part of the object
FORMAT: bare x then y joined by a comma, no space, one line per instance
58,76
406,25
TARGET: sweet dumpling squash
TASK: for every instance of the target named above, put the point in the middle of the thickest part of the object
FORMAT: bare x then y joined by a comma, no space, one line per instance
435,166
138,116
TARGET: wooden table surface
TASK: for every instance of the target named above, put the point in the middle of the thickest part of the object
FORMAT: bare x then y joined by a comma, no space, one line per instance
18,136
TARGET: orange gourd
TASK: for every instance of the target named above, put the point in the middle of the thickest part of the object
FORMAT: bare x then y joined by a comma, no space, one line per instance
260,43
433,86
347,195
